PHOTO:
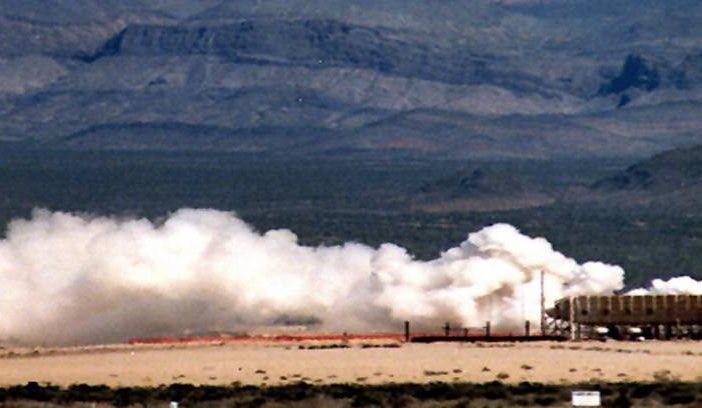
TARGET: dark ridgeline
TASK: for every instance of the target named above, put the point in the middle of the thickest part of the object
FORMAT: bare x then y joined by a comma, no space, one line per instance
478,79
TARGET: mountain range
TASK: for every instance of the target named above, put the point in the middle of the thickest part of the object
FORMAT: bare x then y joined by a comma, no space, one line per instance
449,78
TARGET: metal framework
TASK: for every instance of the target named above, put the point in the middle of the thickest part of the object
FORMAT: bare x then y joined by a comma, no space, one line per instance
626,316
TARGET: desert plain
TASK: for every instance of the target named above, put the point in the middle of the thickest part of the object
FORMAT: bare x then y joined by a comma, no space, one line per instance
255,363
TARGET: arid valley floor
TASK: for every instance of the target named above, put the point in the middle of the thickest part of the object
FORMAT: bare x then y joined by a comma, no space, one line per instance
275,364
375,373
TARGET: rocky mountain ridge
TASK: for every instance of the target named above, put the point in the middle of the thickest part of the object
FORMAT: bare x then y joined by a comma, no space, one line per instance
462,79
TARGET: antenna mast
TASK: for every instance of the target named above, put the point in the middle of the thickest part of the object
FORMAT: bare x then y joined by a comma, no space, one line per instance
543,306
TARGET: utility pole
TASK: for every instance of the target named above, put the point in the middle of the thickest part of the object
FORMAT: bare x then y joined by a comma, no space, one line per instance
571,310
543,306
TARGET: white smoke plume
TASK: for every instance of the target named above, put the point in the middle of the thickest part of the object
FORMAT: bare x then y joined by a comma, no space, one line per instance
69,279
682,285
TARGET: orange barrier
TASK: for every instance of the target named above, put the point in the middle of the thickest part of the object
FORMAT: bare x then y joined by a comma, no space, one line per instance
271,338
296,338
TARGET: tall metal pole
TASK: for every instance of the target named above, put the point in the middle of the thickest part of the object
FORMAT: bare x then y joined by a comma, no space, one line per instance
571,309
543,306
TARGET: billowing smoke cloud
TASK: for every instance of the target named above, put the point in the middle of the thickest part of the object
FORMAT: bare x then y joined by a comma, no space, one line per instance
674,286
70,279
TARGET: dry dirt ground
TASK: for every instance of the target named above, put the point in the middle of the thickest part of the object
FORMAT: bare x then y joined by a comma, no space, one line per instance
273,364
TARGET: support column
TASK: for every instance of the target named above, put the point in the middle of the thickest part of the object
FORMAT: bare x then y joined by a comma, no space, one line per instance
543,306
571,317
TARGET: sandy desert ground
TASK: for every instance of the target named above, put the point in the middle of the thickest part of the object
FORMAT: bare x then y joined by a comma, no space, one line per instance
273,364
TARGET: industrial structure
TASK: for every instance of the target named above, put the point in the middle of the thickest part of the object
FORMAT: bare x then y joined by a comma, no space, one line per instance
627,317
622,317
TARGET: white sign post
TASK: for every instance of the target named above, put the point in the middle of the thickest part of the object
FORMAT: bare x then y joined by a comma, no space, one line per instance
586,399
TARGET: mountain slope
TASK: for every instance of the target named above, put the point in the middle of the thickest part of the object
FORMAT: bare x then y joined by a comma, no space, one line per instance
470,79
480,190
667,182
662,173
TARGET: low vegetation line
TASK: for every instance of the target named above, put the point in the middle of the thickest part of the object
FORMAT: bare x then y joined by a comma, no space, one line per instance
621,394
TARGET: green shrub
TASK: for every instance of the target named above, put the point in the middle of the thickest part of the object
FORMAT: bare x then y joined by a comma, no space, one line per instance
495,390
365,400
85,392
679,398
33,391
291,392
124,397
439,391
622,400
642,390
545,400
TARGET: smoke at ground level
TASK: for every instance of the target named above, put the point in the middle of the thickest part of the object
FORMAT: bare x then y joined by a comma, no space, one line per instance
72,279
